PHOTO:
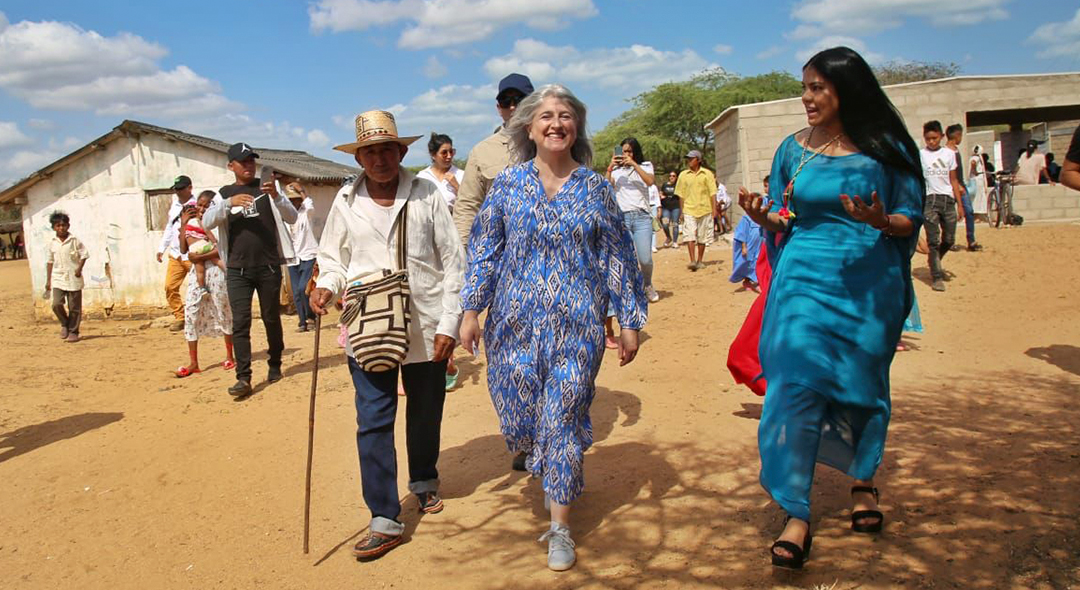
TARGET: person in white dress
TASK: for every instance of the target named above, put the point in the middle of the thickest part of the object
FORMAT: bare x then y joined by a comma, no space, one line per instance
977,174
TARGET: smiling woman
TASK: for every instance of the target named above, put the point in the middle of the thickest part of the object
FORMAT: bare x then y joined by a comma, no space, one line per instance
550,221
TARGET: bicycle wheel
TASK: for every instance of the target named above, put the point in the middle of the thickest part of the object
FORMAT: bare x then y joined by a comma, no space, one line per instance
993,208
1006,203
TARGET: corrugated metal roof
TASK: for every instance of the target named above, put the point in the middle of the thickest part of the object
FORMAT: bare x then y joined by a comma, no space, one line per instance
292,162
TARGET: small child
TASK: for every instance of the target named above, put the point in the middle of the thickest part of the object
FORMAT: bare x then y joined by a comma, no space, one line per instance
63,272
200,241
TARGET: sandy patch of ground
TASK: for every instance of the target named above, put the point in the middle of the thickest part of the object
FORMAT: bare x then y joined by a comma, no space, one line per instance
114,474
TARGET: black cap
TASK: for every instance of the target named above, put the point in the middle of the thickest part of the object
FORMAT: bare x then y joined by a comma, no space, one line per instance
241,151
181,182
519,82
1032,144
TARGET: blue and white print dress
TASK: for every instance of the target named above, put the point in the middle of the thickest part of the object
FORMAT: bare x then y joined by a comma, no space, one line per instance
546,269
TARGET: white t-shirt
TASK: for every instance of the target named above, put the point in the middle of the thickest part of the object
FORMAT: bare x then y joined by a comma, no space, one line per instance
304,243
631,192
449,193
722,196
654,196
381,217
936,166
1028,168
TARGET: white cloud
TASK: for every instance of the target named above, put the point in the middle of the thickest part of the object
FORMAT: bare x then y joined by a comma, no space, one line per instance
773,51
60,66
863,17
11,137
442,23
318,138
1058,39
41,124
836,41
627,69
434,68
722,49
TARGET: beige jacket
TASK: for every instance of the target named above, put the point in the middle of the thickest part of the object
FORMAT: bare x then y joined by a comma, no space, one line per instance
351,246
486,161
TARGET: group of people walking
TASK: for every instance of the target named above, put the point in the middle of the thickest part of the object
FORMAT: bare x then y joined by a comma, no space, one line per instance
550,250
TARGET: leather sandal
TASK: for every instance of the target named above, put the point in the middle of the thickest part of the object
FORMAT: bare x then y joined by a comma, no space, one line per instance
799,555
858,515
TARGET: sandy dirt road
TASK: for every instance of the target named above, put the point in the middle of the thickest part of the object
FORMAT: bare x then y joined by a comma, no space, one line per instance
114,474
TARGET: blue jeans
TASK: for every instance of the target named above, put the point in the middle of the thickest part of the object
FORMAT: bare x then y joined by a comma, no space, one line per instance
969,218
669,220
376,407
299,275
640,225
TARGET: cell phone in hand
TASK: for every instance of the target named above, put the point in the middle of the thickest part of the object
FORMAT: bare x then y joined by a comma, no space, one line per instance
267,175
618,155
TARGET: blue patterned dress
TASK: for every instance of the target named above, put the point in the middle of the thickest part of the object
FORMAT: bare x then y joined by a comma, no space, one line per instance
546,270
839,294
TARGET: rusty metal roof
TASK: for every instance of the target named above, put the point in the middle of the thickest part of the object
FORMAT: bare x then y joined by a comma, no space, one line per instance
292,162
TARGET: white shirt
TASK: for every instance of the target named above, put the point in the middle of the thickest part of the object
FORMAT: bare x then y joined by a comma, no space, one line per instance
355,243
936,166
65,258
654,195
449,193
631,192
303,238
722,196
170,239
1028,168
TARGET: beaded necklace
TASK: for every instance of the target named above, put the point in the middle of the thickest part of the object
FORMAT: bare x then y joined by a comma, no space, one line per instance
788,210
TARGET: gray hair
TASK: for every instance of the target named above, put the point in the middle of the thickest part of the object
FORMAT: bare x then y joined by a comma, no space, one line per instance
522,149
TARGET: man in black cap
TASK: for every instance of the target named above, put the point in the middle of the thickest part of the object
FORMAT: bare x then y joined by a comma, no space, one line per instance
489,157
254,243
170,245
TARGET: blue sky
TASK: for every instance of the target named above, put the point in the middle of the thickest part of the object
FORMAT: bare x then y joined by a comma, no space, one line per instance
293,74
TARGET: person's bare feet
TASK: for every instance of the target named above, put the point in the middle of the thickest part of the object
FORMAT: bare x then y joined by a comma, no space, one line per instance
795,532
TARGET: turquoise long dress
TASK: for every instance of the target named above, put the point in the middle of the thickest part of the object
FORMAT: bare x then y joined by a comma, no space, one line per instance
839,295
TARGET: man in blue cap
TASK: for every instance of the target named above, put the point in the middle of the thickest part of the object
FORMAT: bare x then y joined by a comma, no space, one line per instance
489,157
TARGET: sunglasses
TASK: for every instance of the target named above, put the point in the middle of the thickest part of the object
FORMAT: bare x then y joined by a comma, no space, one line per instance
510,101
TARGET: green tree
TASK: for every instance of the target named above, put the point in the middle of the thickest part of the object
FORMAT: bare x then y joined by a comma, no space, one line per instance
670,119
897,72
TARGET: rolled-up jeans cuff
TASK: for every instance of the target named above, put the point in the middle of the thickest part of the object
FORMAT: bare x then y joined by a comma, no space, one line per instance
425,486
386,526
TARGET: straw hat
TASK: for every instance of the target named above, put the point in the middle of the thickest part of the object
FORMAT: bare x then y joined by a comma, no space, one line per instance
375,127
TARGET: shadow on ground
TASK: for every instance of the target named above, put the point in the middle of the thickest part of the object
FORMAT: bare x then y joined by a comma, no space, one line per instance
29,438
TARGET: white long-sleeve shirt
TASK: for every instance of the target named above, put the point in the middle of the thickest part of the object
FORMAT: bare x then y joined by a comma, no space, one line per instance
353,245
303,237
170,239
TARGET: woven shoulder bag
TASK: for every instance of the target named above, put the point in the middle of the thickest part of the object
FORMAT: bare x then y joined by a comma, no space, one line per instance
377,311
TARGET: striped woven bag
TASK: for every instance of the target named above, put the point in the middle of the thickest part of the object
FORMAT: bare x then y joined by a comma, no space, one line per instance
377,311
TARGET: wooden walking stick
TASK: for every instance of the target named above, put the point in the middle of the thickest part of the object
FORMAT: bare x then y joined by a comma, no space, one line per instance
311,434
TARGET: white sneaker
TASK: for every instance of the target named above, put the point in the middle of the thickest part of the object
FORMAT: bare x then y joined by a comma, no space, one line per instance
561,556
651,293
654,249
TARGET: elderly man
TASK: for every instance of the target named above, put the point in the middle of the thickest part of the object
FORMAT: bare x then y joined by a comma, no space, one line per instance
170,245
489,157
360,239
696,186
254,243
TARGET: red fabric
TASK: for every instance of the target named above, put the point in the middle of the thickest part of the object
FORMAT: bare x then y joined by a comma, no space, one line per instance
743,361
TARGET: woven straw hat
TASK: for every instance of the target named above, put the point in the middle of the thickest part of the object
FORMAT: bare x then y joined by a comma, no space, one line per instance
375,127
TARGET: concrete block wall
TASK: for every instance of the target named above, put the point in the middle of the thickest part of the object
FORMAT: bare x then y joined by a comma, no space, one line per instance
1046,203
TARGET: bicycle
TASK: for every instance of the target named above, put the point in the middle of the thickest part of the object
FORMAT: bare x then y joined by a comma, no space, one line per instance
999,199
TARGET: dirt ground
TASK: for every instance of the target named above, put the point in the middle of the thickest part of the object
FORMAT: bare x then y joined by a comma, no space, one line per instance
115,474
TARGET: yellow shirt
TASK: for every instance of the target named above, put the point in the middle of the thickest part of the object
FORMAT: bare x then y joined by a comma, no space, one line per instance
697,190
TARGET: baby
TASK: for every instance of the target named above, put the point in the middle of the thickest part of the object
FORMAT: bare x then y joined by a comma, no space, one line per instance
200,241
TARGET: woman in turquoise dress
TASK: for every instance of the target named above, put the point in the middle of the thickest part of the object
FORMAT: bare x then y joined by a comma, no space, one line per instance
548,254
844,207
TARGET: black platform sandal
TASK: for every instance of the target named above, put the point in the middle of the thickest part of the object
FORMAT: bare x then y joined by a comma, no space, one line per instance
856,516
799,555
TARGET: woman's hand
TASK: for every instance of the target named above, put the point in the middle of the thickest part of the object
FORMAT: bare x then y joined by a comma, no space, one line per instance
470,332
755,205
319,299
452,180
872,215
628,346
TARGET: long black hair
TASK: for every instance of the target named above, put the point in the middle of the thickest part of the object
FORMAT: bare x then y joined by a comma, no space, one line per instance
635,148
869,118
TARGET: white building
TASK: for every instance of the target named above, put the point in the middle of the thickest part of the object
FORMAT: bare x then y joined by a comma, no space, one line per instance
116,190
